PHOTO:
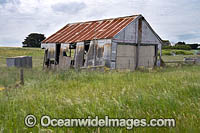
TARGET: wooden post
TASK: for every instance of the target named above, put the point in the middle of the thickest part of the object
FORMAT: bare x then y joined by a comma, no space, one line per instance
156,55
139,39
22,76
95,45
45,58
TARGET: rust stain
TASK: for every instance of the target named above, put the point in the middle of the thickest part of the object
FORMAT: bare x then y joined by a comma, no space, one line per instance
107,45
140,31
100,51
99,29
80,48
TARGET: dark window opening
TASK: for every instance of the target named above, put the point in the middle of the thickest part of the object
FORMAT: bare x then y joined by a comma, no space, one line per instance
57,54
86,49
72,46
64,53
86,46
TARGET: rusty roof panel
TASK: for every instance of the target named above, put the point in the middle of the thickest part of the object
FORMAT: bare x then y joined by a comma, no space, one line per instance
118,29
100,29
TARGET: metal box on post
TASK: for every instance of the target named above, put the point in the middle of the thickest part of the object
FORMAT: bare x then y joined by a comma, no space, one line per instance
20,61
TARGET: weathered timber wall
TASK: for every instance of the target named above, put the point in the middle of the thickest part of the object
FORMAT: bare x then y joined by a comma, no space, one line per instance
99,53
129,35
79,55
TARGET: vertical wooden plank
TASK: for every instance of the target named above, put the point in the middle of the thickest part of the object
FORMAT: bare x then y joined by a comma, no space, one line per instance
22,76
79,55
156,54
95,49
139,39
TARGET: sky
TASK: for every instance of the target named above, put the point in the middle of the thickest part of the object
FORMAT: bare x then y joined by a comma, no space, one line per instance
174,20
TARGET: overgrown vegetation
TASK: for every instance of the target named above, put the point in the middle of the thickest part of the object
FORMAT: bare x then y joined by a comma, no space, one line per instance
177,52
155,94
180,47
158,93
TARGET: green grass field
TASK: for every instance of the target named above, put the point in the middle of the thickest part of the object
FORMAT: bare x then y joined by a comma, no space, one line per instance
170,92
36,53
177,52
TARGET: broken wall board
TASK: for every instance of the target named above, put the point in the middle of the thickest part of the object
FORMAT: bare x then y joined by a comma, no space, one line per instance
79,55
64,59
99,53
65,62
90,55
113,55
51,50
103,52
107,54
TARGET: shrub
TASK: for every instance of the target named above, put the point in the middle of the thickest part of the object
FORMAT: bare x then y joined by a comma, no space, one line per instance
182,52
193,46
166,52
177,52
182,47
167,47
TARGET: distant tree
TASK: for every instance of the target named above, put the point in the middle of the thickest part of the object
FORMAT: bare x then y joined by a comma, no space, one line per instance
33,40
194,46
180,43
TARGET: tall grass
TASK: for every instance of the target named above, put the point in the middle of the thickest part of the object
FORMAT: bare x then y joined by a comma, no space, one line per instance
177,52
160,93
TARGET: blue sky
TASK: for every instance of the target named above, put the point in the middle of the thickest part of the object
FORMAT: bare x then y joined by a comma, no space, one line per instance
171,19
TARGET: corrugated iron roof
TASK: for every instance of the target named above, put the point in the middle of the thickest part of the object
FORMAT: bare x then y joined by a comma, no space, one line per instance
82,31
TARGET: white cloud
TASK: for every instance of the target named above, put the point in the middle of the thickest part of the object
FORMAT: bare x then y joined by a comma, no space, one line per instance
174,20
69,8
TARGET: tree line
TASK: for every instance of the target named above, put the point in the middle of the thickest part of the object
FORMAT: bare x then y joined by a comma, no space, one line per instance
183,46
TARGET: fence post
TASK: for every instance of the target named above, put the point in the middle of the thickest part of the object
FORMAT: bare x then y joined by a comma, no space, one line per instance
22,76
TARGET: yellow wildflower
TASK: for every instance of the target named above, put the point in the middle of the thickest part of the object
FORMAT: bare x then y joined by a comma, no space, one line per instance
1,88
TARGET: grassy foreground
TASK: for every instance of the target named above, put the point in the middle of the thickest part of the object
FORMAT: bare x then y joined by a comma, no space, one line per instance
159,93
165,93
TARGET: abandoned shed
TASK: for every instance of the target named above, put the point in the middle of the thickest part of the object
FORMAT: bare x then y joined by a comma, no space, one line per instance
118,43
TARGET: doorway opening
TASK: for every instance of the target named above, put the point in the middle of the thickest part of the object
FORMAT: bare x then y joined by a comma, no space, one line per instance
86,49
57,54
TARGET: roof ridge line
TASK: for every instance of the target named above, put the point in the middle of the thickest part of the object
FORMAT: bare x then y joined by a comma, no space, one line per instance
104,19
